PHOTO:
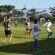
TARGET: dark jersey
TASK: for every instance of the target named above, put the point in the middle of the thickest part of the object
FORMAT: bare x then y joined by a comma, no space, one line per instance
26,23
5,23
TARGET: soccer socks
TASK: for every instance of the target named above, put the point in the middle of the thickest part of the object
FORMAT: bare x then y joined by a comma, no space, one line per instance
4,40
49,34
35,43
8,41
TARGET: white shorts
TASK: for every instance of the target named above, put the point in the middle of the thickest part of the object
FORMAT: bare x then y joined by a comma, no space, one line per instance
35,35
48,29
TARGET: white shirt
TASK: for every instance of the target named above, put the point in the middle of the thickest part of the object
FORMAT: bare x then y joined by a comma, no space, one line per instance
35,28
48,25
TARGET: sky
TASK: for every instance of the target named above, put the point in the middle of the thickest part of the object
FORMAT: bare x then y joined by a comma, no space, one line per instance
38,4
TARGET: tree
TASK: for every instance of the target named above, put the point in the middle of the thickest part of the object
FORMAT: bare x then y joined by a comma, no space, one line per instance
8,8
52,11
1,8
5,9
17,12
32,13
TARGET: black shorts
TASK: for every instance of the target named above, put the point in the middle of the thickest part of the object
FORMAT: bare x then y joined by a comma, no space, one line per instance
8,32
28,30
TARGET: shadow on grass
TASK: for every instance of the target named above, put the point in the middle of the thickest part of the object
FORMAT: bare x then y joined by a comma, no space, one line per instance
25,48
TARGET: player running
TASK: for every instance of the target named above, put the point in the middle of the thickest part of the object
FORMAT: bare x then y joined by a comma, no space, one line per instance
8,33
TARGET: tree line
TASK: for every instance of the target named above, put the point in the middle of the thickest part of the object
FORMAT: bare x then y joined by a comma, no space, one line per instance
9,10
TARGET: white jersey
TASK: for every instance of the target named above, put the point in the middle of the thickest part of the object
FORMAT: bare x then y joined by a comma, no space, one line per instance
48,25
35,30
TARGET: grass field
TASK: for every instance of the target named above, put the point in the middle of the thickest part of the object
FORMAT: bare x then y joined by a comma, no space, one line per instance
22,46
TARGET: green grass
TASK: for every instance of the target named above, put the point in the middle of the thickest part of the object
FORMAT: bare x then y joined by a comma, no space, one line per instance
22,46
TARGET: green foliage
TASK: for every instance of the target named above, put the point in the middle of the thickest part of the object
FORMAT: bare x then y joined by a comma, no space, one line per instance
6,8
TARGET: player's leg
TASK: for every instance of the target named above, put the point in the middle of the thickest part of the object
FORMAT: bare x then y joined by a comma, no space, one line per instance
26,33
9,35
29,32
6,36
5,39
9,38
35,43
50,33
15,25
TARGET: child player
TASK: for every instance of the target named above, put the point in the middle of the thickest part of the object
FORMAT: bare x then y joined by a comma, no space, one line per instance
35,31
48,24
15,22
8,33
28,28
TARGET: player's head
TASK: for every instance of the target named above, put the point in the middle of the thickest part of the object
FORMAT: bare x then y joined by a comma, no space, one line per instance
35,21
7,17
28,19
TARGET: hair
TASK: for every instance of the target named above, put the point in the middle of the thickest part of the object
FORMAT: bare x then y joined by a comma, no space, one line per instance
35,21
7,17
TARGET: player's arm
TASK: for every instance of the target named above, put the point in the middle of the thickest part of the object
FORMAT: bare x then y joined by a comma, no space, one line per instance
45,24
9,26
51,24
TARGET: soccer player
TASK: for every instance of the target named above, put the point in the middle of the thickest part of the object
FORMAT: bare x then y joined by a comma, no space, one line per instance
8,33
28,28
15,22
35,32
48,24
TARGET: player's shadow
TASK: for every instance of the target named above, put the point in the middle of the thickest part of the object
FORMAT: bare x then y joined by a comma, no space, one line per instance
25,48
